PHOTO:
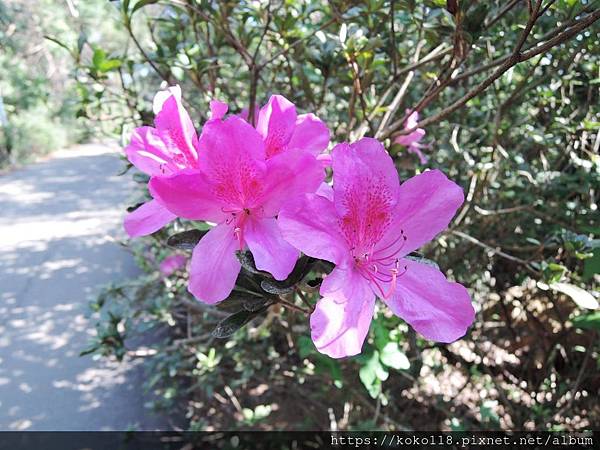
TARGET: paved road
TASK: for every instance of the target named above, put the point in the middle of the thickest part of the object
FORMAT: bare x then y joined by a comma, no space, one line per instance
58,221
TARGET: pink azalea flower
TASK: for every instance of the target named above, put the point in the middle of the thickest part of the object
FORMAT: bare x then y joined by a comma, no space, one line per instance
171,264
366,225
283,129
411,140
218,109
169,148
242,191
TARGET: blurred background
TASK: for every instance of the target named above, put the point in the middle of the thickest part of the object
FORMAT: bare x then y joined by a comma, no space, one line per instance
508,92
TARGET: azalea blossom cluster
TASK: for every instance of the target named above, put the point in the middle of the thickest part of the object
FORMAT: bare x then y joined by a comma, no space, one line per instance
263,187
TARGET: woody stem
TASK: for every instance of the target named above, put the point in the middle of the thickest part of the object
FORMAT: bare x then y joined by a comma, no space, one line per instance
293,307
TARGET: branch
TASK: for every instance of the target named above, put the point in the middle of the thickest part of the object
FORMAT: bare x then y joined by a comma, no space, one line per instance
495,251
160,73
514,59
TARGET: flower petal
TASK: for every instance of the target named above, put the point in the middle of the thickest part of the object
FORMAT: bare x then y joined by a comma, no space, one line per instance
325,190
218,109
276,123
339,328
149,153
291,174
147,219
416,149
270,251
309,223
232,161
189,196
310,134
365,192
171,264
409,139
161,97
436,308
325,159
363,170
412,120
214,267
426,204
175,121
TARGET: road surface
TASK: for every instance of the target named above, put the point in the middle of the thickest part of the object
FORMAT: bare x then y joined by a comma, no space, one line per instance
58,223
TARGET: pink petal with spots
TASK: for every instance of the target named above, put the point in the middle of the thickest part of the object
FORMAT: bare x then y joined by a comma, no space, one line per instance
232,161
365,186
276,124
149,153
175,122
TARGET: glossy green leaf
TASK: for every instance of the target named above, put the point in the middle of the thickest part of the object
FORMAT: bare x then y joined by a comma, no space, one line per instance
186,240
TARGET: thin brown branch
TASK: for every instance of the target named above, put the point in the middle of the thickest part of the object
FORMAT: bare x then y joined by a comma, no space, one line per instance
295,43
510,5
495,251
514,59
292,307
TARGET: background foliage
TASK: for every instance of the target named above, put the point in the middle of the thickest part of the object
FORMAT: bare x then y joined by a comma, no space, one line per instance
523,145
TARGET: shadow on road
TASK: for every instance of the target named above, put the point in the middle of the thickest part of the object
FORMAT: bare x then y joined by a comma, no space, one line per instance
58,223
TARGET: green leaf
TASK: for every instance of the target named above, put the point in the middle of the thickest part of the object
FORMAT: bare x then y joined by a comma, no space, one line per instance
81,40
372,373
231,324
186,240
393,357
247,261
581,297
301,269
305,346
487,412
132,208
591,266
253,304
382,334
141,4
422,260
62,44
272,287
102,64
98,57
589,321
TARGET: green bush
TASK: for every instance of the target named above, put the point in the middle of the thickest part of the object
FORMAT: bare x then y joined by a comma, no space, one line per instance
514,121
33,133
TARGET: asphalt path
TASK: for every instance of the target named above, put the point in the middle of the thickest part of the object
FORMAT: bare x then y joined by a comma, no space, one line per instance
59,223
